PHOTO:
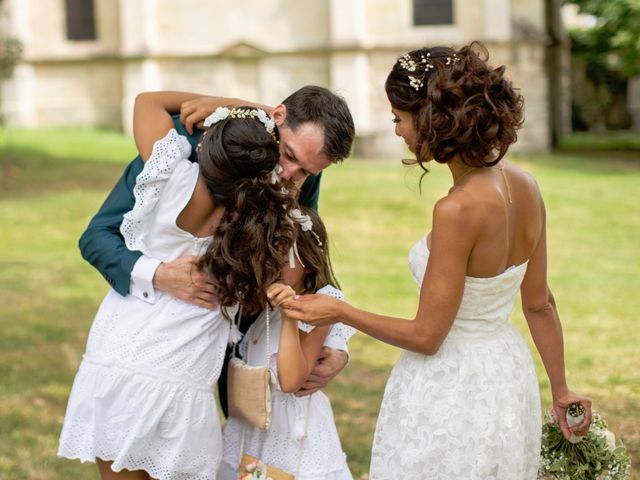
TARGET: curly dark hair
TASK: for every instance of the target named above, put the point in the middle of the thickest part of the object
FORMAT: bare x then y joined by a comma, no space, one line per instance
461,106
314,255
252,241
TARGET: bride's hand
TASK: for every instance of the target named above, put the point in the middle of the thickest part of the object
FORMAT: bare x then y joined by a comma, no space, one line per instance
317,310
279,294
560,406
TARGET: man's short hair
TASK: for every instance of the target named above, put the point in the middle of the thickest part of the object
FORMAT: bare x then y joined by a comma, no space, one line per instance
321,106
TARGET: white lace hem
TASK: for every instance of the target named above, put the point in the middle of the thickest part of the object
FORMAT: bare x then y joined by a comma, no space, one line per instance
169,430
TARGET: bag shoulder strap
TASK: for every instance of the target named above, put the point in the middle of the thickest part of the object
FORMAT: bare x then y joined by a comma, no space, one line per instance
253,333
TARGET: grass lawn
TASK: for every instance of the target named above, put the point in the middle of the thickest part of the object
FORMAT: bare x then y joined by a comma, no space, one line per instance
52,181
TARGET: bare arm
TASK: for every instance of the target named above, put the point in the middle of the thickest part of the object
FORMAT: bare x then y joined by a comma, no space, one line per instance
152,119
452,239
297,354
297,351
539,308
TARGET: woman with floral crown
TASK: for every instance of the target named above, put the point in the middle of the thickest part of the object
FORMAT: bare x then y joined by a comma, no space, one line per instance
462,401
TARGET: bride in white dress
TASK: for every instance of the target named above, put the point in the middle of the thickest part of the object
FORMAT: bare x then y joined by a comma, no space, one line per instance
462,402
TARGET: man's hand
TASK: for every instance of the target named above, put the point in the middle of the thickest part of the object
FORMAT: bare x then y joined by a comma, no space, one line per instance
330,363
183,280
193,112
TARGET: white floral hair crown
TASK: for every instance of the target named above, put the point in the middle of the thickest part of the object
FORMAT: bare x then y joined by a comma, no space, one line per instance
256,113
221,113
306,225
410,65
305,222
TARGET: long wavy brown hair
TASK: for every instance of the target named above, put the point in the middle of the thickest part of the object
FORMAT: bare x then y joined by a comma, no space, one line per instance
462,108
252,241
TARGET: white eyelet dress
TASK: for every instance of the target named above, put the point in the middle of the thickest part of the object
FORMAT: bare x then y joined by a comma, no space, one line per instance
472,410
144,393
286,444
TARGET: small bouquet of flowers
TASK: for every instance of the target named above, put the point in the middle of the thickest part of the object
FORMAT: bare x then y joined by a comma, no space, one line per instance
255,471
252,468
596,456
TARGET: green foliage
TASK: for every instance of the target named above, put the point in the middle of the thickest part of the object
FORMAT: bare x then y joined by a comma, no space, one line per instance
610,53
10,52
614,41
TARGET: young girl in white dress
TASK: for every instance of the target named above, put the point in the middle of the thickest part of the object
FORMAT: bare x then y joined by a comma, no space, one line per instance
142,404
302,438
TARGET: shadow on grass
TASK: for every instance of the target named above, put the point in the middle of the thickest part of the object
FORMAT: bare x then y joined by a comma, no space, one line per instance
26,172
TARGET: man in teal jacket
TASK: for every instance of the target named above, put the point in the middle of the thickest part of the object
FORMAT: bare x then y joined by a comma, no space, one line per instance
315,128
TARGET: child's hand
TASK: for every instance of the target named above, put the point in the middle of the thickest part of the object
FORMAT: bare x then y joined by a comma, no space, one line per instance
280,294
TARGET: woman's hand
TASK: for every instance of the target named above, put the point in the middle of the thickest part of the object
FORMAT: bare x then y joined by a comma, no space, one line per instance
317,310
560,406
280,294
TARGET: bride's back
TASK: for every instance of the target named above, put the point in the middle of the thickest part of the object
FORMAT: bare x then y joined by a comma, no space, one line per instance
510,213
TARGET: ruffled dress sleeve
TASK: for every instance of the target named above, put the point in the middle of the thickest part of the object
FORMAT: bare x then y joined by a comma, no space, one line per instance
166,154
339,334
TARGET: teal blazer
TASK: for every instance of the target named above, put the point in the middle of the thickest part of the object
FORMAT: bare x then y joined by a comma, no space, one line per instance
102,245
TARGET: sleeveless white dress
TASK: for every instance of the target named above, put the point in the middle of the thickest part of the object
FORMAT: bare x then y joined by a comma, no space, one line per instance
302,439
144,393
472,410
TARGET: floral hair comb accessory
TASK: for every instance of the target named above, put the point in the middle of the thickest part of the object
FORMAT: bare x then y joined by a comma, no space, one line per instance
410,65
306,225
305,222
221,113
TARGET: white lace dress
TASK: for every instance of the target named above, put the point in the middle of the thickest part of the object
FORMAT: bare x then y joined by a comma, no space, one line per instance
144,394
284,444
472,410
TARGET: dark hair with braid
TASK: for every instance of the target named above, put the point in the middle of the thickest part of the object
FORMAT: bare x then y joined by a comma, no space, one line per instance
461,106
252,241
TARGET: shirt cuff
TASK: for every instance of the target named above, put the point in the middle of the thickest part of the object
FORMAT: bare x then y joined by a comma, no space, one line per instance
338,344
141,285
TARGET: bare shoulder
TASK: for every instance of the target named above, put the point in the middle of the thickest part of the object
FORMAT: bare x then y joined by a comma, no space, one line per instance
457,210
524,178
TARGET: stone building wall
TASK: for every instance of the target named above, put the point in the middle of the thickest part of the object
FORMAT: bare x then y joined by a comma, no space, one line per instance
261,50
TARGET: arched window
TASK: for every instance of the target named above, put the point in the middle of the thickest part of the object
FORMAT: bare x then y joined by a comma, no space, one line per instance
81,21
432,12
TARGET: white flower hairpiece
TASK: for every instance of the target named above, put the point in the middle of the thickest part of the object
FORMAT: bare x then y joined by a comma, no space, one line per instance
222,113
301,219
416,81
306,225
275,174
219,114
268,122
305,222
